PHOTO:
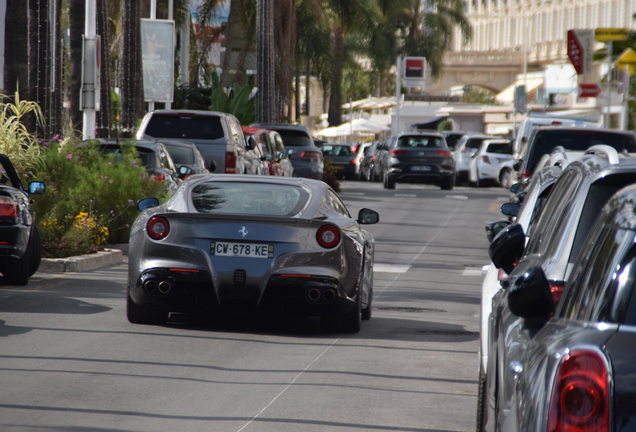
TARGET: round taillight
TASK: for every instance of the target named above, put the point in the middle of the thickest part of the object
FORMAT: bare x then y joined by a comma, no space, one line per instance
328,236
158,227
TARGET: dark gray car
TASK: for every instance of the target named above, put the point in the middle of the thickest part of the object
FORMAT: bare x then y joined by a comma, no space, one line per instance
417,158
305,156
286,245
187,154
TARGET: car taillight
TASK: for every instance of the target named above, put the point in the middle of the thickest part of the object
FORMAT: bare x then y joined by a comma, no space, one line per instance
158,227
397,152
525,174
310,154
556,288
443,153
328,236
230,162
354,149
580,397
485,159
8,207
160,178
353,162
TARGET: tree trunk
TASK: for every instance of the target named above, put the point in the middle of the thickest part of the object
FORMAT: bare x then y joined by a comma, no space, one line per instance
132,102
57,117
103,116
297,96
285,37
267,109
308,89
335,99
16,49
39,63
77,21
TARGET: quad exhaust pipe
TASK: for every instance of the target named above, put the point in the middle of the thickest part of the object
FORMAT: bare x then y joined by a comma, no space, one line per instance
164,287
150,286
316,295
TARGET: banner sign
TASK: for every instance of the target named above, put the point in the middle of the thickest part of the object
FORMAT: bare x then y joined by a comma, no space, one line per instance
157,48
580,50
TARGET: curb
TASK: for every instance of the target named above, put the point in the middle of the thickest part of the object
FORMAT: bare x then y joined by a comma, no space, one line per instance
81,263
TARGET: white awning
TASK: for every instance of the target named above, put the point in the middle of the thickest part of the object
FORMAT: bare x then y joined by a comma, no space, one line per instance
507,95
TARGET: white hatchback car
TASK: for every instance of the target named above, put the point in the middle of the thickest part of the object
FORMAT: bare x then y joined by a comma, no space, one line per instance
485,165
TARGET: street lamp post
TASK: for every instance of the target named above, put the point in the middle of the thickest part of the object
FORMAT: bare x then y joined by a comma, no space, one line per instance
525,46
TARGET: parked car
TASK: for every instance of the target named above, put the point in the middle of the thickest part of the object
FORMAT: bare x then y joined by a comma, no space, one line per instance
452,138
156,159
218,135
486,162
264,148
360,151
558,238
464,152
184,153
533,121
368,158
342,159
282,154
578,369
527,215
418,158
255,243
20,246
545,139
305,156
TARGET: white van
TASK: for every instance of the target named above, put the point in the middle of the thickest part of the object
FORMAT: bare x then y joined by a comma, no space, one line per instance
534,120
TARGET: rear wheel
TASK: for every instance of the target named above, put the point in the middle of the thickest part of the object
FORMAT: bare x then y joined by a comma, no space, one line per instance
448,183
144,315
389,183
366,312
504,178
351,322
36,251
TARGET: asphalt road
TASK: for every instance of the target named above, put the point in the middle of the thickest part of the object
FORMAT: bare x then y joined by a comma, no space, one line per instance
70,361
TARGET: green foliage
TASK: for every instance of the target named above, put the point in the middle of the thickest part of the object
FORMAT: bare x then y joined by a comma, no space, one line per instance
478,95
329,177
193,97
239,101
444,125
82,180
15,140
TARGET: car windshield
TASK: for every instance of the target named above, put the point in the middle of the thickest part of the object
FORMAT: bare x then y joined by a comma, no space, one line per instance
259,199
336,150
295,138
181,155
185,126
420,141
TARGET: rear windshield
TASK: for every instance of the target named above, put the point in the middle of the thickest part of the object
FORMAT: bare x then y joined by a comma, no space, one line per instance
420,141
193,127
546,141
249,198
332,150
181,155
295,138
498,148
474,143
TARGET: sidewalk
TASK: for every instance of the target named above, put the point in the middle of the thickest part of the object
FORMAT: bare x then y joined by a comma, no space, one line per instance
83,263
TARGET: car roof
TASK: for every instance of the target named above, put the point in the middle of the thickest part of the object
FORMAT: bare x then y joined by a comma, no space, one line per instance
242,178
589,130
253,130
281,126
190,112
433,134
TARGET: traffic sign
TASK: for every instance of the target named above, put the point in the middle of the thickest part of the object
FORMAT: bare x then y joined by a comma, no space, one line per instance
589,90
414,72
521,99
610,34
580,50
627,58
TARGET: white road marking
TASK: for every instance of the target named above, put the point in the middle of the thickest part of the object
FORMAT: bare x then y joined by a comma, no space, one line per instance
391,268
503,199
457,197
404,195
472,272
351,193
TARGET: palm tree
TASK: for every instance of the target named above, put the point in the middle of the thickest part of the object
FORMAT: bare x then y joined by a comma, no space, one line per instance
15,48
132,108
77,20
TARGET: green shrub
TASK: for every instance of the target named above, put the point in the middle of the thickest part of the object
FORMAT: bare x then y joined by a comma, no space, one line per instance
15,140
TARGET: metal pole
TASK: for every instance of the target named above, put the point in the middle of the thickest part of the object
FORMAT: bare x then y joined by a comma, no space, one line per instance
88,87
185,49
153,15
609,84
625,113
170,7
398,95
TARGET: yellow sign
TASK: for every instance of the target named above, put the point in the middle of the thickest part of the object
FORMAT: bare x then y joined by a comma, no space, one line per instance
610,34
627,58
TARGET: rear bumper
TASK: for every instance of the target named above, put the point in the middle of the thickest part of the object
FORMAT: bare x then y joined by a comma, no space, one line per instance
406,175
14,240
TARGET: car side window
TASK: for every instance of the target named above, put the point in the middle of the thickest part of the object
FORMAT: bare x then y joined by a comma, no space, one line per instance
337,205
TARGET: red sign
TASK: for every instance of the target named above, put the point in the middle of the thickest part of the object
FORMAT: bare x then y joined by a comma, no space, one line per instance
589,90
575,52
414,68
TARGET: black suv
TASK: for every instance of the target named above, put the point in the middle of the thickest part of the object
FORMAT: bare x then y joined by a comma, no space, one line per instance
557,240
305,156
417,158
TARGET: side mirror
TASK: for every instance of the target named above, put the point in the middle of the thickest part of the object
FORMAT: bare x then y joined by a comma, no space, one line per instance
510,209
368,217
250,143
291,151
269,157
494,228
516,188
282,155
147,203
517,165
212,166
507,247
530,295
36,187
184,171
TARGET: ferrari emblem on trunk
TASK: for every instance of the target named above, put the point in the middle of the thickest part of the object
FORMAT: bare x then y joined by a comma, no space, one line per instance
243,232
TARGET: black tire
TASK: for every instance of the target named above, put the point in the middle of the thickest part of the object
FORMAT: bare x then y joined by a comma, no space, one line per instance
17,273
351,322
389,183
448,183
481,400
144,315
504,179
366,312
35,245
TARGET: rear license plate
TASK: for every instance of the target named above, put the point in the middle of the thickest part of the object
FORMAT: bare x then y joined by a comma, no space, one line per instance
245,250
420,168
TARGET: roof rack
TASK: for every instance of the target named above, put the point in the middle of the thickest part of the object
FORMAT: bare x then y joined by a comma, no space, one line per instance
603,150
